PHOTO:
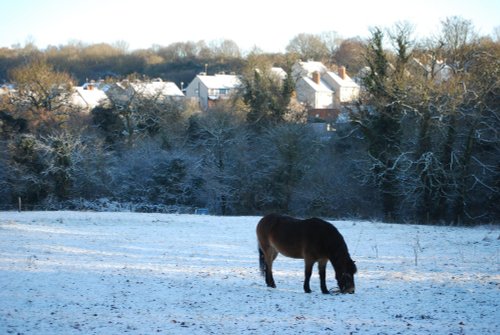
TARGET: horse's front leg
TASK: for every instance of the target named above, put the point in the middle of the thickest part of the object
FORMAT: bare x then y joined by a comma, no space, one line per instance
322,276
308,272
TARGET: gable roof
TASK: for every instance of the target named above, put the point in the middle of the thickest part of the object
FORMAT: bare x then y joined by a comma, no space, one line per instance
341,82
321,87
88,96
306,69
218,81
301,69
157,87
279,72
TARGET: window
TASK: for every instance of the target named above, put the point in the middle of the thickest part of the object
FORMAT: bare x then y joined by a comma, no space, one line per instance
330,127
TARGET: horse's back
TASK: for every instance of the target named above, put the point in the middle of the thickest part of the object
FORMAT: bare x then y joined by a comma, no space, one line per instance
293,237
275,224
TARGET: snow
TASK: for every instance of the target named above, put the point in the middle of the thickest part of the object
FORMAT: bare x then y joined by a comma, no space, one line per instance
157,88
119,273
88,98
220,81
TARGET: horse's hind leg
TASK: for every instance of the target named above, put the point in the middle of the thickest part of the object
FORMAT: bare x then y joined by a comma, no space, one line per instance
270,255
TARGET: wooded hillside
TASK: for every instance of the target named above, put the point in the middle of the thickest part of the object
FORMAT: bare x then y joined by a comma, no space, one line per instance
420,145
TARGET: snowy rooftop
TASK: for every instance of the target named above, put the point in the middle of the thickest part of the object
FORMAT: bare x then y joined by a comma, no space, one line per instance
88,96
227,81
157,88
321,87
301,69
346,82
279,72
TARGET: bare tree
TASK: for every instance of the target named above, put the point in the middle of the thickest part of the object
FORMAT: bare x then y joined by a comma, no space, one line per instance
459,39
42,93
332,41
308,47
136,113
350,54
225,49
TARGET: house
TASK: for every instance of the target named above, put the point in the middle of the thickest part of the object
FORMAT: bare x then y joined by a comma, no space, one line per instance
315,92
126,91
278,72
433,68
325,94
6,89
88,96
208,89
156,88
319,88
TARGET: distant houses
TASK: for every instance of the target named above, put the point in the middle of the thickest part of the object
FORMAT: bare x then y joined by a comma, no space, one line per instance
320,91
92,94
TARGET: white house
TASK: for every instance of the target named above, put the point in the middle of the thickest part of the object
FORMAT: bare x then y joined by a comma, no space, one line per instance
209,89
346,89
156,88
127,91
436,69
279,72
314,92
88,96
320,88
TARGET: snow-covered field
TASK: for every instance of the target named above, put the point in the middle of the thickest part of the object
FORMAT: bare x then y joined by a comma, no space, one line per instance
118,273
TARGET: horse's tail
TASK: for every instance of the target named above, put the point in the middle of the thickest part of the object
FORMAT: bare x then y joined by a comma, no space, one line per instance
262,262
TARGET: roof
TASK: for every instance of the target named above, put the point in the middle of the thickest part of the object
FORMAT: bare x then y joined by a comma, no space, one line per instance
157,88
321,87
87,96
346,82
279,72
301,69
227,81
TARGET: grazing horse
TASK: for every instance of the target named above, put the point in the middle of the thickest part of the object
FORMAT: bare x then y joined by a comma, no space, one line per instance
313,240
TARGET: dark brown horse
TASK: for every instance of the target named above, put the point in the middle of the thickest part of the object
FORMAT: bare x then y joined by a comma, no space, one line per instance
313,240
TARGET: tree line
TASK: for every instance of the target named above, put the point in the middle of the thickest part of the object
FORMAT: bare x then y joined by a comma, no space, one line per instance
177,62
420,145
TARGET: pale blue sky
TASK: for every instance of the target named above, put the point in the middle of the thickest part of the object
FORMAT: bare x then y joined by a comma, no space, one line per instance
267,24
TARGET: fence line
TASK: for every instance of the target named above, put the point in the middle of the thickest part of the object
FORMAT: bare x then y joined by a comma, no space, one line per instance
103,207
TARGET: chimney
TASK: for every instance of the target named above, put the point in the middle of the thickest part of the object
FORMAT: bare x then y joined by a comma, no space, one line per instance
342,72
316,77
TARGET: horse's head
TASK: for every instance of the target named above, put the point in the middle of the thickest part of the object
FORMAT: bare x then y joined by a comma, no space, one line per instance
345,277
